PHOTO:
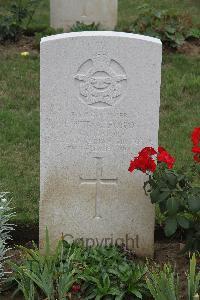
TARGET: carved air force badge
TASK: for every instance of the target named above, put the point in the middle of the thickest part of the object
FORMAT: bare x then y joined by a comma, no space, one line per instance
101,81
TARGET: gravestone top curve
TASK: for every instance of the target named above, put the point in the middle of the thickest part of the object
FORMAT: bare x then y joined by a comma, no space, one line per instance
101,33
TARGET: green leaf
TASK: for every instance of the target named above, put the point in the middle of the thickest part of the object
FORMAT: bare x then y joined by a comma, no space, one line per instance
47,242
163,196
172,205
158,14
170,29
193,33
170,36
120,297
136,293
154,195
183,222
170,226
194,203
179,39
172,179
158,196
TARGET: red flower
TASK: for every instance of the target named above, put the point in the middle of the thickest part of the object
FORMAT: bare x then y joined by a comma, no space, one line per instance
196,150
76,288
148,150
143,162
197,157
164,156
195,136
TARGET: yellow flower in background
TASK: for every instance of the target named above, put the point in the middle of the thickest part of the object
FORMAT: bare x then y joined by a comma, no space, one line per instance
25,53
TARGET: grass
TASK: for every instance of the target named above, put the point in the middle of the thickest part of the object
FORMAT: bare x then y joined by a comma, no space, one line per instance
128,9
180,106
19,133
19,111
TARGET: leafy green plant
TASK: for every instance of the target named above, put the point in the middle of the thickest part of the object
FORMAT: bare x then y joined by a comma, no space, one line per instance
98,285
177,198
39,35
17,19
193,33
6,214
193,278
172,28
51,274
163,283
131,279
79,26
179,202
84,272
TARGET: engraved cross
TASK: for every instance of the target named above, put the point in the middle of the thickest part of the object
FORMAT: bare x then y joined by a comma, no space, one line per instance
84,14
98,181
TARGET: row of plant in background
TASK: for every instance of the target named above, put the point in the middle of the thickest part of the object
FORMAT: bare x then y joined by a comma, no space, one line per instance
17,19
172,28
79,26
177,198
76,272
5,229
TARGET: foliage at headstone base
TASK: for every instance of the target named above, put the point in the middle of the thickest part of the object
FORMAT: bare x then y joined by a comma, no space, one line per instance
47,32
5,229
173,29
17,18
80,26
163,283
73,271
78,272
173,192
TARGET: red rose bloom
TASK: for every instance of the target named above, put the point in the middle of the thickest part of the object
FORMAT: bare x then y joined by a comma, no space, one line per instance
164,156
195,136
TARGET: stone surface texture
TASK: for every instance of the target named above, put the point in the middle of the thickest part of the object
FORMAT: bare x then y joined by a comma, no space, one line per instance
100,97
65,13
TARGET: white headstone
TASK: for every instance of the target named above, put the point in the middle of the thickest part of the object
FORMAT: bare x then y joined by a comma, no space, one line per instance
100,96
65,13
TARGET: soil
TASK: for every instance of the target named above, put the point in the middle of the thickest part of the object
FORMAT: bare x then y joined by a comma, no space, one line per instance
170,252
28,44
191,48
25,44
